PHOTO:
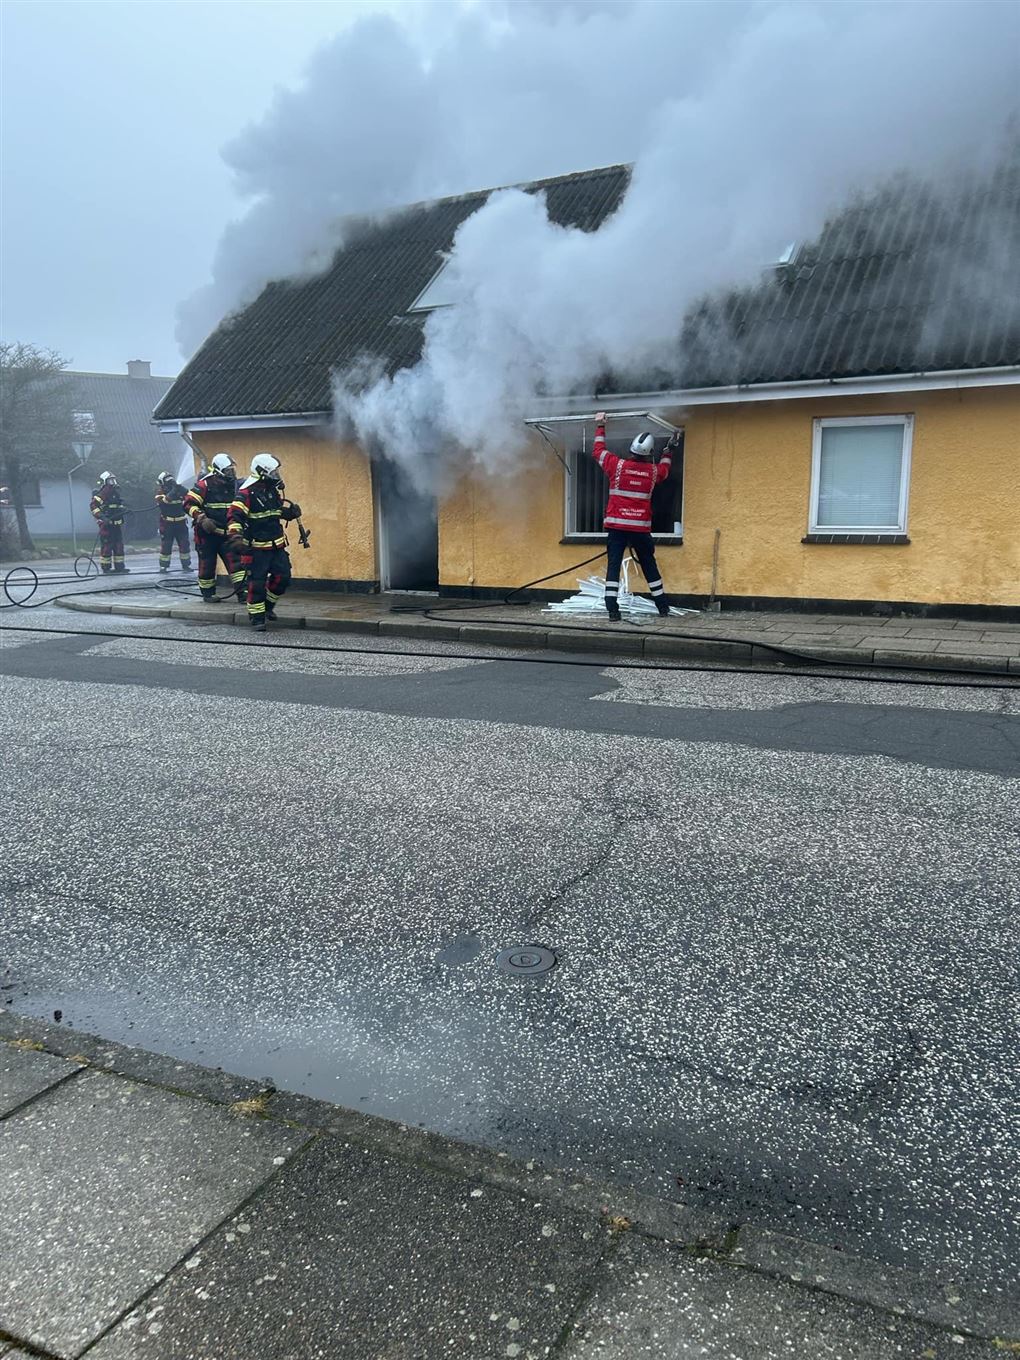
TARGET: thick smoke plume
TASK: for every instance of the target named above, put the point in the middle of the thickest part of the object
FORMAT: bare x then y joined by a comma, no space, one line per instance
747,124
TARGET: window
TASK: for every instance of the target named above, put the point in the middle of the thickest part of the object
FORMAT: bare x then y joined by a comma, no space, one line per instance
860,470
587,491
31,491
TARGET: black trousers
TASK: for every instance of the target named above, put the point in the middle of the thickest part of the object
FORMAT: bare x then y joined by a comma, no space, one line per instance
209,547
111,546
618,540
170,532
268,577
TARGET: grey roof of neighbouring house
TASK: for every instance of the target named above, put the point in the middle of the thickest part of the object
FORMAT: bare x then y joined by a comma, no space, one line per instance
906,279
123,407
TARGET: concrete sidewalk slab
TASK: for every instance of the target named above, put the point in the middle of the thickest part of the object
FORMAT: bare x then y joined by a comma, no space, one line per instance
767,638
104,1185
357,1255
654,1302
898,1291
25,1074
380,1241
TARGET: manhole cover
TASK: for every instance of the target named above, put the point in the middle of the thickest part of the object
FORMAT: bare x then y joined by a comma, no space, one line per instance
526,960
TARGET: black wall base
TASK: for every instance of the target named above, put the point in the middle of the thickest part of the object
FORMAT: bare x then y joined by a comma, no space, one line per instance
346,587
879,609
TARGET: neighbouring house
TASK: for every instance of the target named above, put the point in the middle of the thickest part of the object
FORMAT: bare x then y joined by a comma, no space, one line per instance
112,419
851,424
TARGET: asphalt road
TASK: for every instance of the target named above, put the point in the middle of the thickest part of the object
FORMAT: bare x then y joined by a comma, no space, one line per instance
784,909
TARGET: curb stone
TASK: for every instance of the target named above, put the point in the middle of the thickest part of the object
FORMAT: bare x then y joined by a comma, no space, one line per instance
652,645
977,1314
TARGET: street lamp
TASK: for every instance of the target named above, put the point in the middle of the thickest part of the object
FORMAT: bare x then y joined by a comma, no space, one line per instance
82,448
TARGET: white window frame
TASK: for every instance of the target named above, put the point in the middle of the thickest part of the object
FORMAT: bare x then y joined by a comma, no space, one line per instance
568,505
823,422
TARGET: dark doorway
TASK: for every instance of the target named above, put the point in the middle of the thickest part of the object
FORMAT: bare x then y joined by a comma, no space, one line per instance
408,531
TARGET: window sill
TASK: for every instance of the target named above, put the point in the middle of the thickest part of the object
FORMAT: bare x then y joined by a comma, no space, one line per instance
660,540
859,540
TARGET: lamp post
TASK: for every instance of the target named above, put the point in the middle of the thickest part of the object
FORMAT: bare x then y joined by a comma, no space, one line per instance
82,448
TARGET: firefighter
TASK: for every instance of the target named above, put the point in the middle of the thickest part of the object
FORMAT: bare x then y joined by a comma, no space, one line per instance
257,517
107,509
207,503
628,520
173,522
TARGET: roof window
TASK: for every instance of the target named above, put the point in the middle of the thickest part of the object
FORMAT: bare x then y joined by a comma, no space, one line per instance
439,292
789,255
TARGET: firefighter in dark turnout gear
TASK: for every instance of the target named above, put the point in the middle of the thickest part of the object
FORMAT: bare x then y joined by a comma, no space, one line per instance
107,509
257,516
207,503
173,522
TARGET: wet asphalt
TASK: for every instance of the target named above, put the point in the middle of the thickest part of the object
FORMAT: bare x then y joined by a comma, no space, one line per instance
784,910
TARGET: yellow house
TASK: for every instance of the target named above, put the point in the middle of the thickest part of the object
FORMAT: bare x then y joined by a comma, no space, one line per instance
851,426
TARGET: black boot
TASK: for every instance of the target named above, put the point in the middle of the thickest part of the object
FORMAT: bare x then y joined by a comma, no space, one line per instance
258,622
120,569
613,610
662,605
210,598
163,571
270,611
107,570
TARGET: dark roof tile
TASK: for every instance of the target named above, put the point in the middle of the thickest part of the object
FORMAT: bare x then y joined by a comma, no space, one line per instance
122,407
896,282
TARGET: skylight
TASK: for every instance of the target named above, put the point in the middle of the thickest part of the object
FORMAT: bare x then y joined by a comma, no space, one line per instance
438,292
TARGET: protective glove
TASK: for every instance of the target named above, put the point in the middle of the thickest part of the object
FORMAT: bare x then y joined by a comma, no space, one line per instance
292,510
208,526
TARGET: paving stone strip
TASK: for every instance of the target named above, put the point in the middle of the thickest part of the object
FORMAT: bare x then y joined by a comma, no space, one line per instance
151,1207
762,638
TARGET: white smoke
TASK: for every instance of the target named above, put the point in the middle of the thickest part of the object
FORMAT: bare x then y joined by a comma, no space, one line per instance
747,123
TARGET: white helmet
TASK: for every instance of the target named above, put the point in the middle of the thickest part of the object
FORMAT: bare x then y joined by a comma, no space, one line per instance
643,446
265,465
222,462
107,478
165,477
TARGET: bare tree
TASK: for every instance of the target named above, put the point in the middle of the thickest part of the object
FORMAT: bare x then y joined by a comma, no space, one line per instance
35,421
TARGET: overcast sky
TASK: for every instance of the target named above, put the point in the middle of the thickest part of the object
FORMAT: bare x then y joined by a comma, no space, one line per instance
114,191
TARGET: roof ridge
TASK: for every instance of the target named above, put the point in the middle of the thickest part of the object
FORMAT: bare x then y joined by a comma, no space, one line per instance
101,373
547,182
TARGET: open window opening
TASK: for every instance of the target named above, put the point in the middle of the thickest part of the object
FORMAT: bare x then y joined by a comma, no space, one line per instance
587,493
586,487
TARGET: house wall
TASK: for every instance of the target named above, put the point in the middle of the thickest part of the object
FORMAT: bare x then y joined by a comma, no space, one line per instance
333,485
53,514
747,473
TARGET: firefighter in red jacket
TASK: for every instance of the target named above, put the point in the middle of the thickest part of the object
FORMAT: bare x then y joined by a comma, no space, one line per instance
628,520
173,522
107,509
257,517
207,503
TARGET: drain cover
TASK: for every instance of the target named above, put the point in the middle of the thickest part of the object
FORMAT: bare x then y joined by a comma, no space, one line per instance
525,960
